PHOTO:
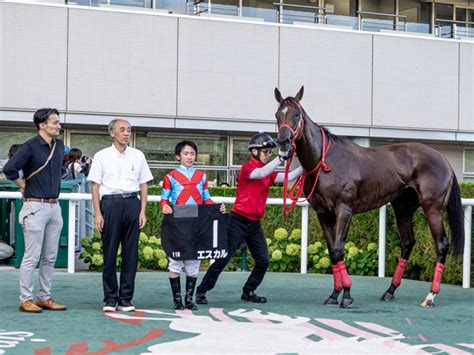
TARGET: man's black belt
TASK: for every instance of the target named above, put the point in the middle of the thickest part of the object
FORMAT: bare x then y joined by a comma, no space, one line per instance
120,196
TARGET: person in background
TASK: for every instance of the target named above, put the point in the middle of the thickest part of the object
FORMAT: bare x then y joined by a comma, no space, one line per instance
40,159
119,174
73,164
65,163
12,150
6,251
86,163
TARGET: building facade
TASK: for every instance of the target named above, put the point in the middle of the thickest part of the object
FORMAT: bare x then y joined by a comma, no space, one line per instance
201,74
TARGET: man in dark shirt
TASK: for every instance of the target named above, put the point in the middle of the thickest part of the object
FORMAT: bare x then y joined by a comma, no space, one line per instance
40,159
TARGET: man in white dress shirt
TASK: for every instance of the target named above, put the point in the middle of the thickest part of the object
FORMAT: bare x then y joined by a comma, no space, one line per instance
118,174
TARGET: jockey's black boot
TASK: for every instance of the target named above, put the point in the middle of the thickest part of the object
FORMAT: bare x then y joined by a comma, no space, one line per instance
176,289
201,297
188,300
251,296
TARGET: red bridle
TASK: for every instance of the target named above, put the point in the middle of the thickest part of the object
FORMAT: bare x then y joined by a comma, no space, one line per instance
297,189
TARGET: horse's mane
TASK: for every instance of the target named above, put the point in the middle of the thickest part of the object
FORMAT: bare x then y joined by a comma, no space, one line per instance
331,136
334,137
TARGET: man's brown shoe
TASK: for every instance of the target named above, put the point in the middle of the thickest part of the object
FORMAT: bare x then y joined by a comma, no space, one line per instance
29,307
50,305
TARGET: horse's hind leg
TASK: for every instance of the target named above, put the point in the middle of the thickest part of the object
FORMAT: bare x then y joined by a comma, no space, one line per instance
404,207
434,216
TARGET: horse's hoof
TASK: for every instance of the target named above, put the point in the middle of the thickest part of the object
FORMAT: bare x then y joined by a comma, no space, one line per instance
346,302
331,302
427,303
387,296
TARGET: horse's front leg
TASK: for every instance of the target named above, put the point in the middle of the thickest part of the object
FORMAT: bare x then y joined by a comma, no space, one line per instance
328,225
343,220
335,230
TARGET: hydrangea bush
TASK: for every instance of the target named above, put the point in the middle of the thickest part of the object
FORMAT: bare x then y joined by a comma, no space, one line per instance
150,253
284,249
285,254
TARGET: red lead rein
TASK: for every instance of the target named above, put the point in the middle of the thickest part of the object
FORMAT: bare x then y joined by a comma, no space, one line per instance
299,184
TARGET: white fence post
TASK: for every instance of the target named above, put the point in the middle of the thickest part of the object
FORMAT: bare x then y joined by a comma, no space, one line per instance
71,238
304,238
382,239
466,266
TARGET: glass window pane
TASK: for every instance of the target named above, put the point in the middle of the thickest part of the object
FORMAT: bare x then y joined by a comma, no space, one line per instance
221,7
299,11
175,6
262,9
418,15
211,152
90,144
214,177
469,161
240,152
444,12
342,13
8,138
376,22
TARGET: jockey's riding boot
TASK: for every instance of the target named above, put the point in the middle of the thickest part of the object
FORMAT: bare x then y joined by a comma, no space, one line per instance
201,297
176,289
251,296
188,300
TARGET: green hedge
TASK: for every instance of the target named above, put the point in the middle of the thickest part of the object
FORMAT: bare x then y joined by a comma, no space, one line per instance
363,231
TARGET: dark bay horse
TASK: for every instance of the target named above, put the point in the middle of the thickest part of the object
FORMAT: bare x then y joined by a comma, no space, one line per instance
353,179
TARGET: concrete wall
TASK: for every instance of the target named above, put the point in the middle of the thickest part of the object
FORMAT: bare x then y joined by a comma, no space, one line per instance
219,74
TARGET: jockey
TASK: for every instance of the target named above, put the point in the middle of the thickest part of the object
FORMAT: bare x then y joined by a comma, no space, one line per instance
184,186
254,182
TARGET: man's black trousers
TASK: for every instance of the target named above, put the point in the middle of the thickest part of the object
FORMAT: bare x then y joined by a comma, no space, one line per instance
121,225
239,229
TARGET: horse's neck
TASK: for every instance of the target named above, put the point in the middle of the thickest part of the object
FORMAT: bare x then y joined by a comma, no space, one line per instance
309,147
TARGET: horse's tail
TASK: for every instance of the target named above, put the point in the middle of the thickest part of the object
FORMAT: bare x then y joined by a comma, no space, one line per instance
456,218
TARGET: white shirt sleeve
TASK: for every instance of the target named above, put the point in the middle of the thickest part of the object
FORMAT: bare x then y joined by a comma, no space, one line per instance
265,170
95,174
293,175
145,173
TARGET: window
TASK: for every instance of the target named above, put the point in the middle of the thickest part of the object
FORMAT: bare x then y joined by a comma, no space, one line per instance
89,143
175,6
240,152
160,149
260,8
341,13
8,138
418,15
159,152
469,161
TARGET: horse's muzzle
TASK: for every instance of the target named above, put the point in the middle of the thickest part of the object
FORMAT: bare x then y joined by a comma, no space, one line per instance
285,154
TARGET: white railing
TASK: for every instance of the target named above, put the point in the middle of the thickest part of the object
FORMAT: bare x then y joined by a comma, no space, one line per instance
467,203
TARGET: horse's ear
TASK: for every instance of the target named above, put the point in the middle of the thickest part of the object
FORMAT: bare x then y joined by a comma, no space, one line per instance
278,96
299,95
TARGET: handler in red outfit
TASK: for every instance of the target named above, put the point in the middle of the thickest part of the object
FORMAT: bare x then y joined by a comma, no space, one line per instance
255,179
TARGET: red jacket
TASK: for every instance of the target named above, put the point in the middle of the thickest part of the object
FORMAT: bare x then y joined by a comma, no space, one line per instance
251,195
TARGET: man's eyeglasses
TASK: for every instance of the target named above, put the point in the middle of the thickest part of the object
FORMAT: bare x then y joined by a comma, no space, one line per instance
266,151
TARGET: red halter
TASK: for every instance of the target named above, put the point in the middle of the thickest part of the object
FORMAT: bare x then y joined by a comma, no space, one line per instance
297,189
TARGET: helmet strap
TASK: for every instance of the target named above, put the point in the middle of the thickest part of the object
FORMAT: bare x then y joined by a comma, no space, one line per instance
257,156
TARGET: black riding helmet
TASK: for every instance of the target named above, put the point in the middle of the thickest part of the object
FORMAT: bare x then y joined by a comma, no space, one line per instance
261,141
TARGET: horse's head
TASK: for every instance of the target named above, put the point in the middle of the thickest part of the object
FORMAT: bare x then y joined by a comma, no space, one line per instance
290,122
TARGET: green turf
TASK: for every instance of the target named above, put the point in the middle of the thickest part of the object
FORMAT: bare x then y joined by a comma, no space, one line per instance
450,322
